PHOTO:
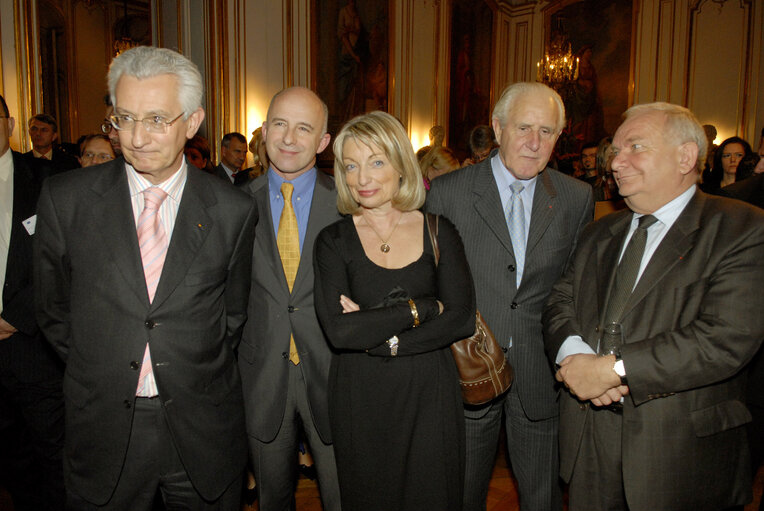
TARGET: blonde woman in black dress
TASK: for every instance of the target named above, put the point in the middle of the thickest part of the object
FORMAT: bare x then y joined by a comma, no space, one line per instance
391,314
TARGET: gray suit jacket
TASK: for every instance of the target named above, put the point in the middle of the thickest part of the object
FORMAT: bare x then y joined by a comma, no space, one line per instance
94,308
562,206
275,314
692,323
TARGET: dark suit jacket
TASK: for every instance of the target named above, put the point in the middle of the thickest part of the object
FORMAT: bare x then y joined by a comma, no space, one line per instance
25,353
93,307
750,190
692,323
274,314
60,161
221,173
562,206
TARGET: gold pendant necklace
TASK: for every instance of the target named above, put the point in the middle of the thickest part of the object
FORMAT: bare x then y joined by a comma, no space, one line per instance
385,246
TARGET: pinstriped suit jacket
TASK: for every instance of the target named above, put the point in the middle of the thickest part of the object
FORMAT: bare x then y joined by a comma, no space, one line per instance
562,206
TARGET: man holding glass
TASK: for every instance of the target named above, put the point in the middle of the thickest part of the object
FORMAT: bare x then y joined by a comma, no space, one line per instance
659,424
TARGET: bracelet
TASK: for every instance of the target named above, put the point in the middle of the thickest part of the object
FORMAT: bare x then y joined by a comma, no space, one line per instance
414,312
392,343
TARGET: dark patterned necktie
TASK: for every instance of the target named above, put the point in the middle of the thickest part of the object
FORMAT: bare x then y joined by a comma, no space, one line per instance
626,273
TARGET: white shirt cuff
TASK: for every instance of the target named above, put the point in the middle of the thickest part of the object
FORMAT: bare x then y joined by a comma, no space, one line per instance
573,345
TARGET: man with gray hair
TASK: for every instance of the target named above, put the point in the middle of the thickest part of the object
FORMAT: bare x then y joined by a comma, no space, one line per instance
519,220
142,285
657,420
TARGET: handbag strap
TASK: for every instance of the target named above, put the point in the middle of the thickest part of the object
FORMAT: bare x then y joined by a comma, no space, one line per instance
432,229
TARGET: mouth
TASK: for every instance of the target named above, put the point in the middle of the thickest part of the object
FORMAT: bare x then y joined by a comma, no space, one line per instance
366,193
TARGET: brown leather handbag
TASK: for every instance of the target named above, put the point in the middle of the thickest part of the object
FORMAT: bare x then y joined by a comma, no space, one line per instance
484,372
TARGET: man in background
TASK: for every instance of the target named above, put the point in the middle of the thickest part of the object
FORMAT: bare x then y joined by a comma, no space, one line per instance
43,130
31,401
233,154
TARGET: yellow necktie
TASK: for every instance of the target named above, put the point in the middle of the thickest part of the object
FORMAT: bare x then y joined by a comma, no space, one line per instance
288,242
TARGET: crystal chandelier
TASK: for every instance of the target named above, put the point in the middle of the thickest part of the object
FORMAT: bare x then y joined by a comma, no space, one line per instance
558,68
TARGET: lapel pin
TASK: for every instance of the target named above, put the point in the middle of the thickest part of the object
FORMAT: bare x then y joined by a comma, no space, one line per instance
200,226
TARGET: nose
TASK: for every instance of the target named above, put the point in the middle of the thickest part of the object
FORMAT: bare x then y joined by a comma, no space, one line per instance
140,137
289,136
534,140
364,177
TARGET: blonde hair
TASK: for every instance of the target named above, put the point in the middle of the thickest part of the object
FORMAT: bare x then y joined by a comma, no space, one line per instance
384,131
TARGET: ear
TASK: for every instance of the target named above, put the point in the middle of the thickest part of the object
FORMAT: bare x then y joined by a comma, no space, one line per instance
265,129
325,138
55,136
496,127
193,122
688,157
11,124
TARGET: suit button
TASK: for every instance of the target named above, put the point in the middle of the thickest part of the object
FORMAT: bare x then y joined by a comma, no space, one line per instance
134,365
150,324
284,355
127,403
290,308
504,349
583,406
596,329
513,306
511,267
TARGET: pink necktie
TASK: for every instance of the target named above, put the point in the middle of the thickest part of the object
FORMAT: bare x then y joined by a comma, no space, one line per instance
152,240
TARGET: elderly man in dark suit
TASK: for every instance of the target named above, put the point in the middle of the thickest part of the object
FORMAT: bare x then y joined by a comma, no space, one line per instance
142,285
31,403
284,357
519,221
660,422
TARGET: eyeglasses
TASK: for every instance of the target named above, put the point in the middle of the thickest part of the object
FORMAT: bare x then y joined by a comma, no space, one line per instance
154,124
102,157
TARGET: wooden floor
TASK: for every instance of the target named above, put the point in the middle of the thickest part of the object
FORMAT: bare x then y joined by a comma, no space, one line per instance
502,493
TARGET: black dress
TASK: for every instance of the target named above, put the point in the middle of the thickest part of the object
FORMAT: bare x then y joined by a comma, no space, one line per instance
397,422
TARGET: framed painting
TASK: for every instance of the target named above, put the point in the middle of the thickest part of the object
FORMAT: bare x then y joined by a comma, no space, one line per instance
471,67
600,34
351,57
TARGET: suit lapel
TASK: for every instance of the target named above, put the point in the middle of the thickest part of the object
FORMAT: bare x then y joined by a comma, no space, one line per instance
323,207
542,212
265,236
113,212
608,251
192,225
488,203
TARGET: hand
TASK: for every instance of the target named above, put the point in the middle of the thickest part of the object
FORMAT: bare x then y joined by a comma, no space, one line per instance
613,395
348,305
588,376
6,329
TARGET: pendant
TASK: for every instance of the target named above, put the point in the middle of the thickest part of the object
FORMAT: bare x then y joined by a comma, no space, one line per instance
385,248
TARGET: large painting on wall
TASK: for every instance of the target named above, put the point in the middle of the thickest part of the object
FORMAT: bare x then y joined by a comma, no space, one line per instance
600,33
351,57
471,65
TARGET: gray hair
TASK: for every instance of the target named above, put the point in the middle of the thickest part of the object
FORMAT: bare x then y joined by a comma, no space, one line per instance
513,93
681,125
147,62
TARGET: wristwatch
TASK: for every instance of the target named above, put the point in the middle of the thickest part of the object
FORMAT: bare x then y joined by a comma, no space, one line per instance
619,369
393,343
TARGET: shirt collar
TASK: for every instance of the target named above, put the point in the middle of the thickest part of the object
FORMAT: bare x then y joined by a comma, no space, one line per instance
302,184
504,177
6,167
48,155
669,212
172,185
